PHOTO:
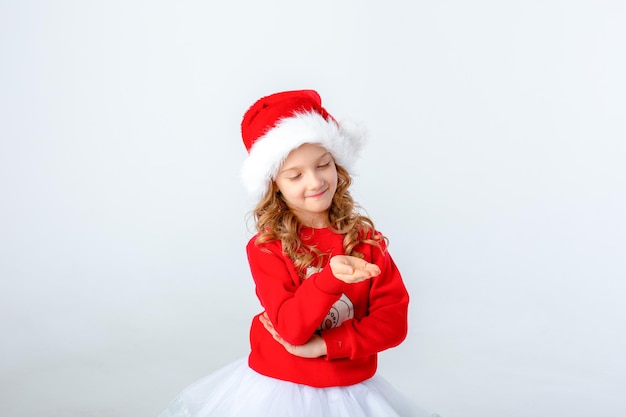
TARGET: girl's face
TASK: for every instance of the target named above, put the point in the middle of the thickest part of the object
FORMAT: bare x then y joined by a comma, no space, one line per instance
307,181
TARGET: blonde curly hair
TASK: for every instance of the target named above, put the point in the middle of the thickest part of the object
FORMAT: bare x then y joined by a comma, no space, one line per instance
275,221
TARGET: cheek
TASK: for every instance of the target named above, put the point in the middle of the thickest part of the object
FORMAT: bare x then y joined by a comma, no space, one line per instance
290,192
333,180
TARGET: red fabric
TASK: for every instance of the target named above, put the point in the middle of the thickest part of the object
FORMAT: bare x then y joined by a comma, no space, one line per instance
296,308
266,112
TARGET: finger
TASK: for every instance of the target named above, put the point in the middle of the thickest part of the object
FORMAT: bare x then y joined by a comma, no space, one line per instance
277,337
282,341
273,332
267,324
373,269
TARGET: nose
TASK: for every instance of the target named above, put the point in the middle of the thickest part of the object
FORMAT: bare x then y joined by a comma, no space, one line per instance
315,181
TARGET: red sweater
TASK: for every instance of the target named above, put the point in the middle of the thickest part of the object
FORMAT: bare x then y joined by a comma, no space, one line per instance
355,320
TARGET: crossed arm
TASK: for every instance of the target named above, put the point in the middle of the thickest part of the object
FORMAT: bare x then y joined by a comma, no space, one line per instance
348,269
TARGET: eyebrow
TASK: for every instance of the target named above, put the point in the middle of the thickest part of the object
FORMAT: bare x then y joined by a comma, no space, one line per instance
295,168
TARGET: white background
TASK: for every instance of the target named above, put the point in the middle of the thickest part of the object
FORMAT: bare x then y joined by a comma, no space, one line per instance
495,165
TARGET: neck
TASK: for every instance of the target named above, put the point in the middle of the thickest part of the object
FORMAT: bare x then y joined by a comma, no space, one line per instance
318,221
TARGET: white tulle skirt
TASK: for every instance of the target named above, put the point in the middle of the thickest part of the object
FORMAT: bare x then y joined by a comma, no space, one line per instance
238,391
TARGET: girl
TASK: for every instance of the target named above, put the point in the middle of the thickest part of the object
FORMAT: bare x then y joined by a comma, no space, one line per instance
332,295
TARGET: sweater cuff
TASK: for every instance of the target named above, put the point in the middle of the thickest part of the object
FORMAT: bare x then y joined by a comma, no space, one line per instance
337,343
326,282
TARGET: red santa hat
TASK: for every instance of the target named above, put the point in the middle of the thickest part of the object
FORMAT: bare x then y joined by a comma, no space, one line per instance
279,123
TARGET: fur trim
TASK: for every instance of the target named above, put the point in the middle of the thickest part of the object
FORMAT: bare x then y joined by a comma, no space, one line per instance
344,141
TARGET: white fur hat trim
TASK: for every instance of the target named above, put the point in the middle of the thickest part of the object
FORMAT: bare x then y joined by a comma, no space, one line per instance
344,141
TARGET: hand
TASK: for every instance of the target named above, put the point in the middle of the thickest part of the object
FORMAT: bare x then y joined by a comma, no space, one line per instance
314,348
351,269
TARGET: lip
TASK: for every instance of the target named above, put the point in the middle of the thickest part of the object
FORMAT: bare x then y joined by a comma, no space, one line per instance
318,195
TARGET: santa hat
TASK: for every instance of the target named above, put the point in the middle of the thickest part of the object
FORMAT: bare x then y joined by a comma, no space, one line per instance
279,123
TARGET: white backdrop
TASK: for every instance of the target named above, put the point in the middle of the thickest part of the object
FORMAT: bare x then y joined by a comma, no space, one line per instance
495,165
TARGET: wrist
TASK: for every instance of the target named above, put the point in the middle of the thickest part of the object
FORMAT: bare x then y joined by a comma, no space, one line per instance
322,349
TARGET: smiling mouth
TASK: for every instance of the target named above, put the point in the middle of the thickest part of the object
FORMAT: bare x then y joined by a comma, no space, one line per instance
318,195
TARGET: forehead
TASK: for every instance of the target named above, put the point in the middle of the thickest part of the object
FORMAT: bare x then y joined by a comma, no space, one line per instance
304,153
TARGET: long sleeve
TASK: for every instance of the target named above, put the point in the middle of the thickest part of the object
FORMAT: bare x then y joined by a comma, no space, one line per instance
369,316
385,324
296,310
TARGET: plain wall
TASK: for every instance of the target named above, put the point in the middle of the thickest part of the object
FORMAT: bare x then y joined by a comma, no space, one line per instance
495,165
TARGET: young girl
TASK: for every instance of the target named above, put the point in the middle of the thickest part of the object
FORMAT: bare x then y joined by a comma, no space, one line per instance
332,295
